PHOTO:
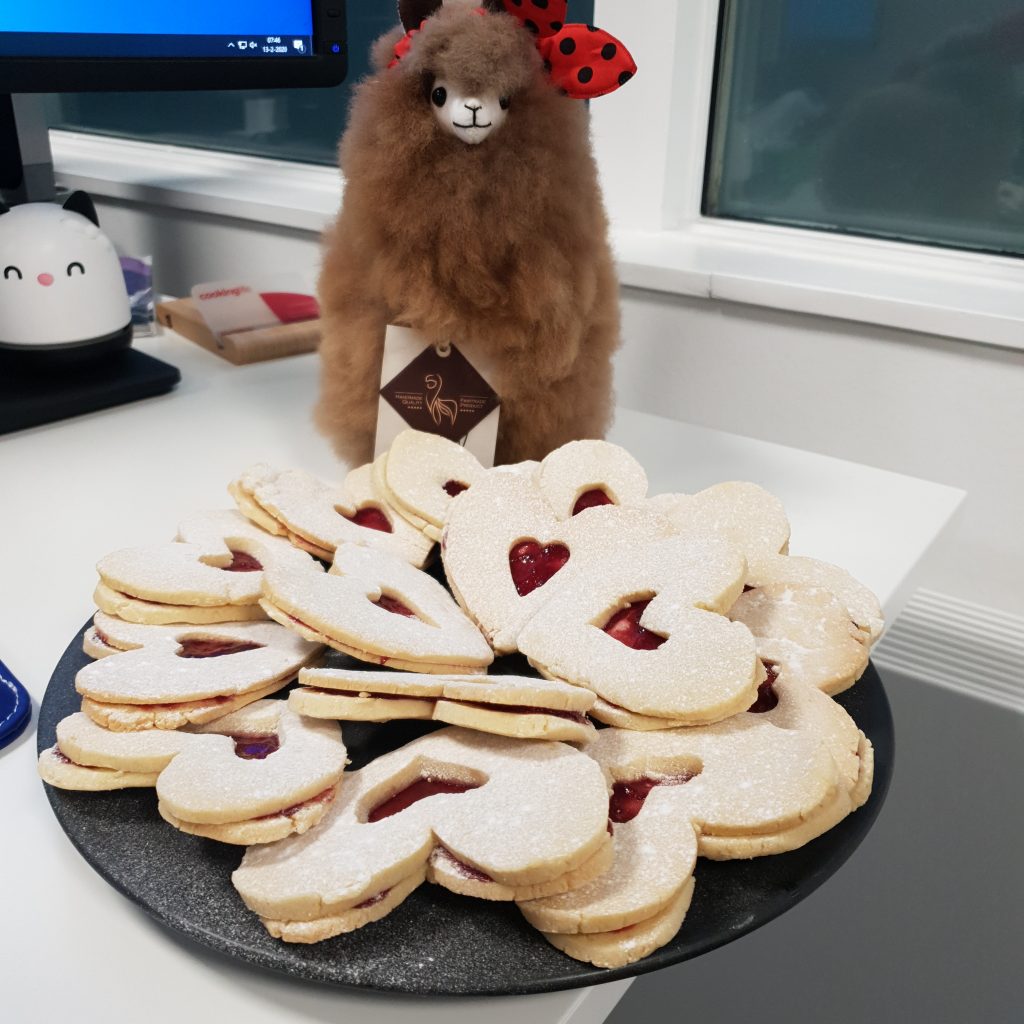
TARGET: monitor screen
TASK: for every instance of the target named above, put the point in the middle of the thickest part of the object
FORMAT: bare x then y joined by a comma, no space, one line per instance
238,29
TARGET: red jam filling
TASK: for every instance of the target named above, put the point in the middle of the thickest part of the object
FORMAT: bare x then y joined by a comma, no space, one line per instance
591,499
533,565
371,518
372,901
61,756
453,488
393,605
214,648
256,748
625,627
321,798
525,709
241,562
423,787
105,640
464,869
767,698
629,797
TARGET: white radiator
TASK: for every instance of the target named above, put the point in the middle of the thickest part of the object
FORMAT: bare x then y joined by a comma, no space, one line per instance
975,650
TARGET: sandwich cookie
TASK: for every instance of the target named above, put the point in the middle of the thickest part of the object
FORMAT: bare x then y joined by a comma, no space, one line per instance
166,677
520,706
741,788
212,573
519,814
317,516
253,776
646,631
379,609
422,474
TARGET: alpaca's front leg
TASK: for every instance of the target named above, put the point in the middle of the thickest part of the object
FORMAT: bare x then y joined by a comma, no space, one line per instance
350,356
539,414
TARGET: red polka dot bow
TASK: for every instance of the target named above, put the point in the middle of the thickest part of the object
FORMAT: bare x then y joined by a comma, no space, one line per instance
583,61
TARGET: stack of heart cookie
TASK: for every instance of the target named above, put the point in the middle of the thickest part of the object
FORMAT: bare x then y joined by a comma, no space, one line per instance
680,623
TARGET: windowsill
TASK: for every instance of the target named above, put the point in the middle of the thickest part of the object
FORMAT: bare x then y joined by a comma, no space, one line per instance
968,296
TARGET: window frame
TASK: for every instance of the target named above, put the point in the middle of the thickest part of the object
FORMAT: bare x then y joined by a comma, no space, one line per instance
663,240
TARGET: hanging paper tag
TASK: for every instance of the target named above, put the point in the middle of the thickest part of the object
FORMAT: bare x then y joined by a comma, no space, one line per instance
436,390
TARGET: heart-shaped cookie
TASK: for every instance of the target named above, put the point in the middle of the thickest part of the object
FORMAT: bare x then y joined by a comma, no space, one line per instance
743,514
166,677
645,631
740,788
521,814
379,609
318,516
253,776
423,473
213,573
860,603
806,628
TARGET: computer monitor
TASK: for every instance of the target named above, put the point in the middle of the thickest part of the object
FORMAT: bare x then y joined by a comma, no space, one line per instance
120,45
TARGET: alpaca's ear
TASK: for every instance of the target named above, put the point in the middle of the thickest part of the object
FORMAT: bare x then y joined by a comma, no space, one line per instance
414,12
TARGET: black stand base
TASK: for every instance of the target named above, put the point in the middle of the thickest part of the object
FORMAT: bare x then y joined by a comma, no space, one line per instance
31,397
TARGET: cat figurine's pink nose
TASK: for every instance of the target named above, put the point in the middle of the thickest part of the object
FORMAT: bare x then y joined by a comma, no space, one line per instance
45,280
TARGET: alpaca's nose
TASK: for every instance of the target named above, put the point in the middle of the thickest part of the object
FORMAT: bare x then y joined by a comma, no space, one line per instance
474,105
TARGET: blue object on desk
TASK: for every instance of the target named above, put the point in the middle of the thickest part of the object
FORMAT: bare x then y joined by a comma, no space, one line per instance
15,706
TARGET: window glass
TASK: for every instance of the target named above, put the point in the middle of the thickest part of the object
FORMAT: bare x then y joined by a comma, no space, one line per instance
297,124
897,118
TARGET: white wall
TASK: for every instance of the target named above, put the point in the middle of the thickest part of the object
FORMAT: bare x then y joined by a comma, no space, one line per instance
933,408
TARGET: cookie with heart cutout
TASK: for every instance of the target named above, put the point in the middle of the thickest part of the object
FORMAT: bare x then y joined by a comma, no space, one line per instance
506,554
522,814
588,474
506,705
806,628
212,573
862,606
744,787
253,776
379,609
646,631
318,516
423,474
741,513
167,677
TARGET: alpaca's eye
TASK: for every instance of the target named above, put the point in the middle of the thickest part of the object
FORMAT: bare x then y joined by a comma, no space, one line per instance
439,97
10,272
72,266
506,102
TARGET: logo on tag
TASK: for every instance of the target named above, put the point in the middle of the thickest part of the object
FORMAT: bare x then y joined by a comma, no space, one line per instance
441,392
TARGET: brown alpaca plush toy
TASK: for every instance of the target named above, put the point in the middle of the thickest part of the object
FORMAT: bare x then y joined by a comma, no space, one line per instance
472,212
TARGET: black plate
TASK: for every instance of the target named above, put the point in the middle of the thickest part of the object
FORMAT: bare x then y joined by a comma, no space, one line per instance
435,943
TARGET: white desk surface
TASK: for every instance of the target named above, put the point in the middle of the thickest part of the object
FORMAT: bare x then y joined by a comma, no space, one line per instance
73,949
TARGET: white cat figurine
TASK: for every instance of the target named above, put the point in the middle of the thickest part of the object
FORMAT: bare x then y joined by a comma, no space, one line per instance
61,285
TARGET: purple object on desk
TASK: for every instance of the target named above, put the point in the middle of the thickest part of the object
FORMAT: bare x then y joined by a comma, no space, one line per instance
15,706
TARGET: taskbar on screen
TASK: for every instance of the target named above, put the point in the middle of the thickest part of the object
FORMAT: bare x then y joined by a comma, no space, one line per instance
55,44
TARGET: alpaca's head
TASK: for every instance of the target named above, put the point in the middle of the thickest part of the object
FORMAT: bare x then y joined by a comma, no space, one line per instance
470,61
